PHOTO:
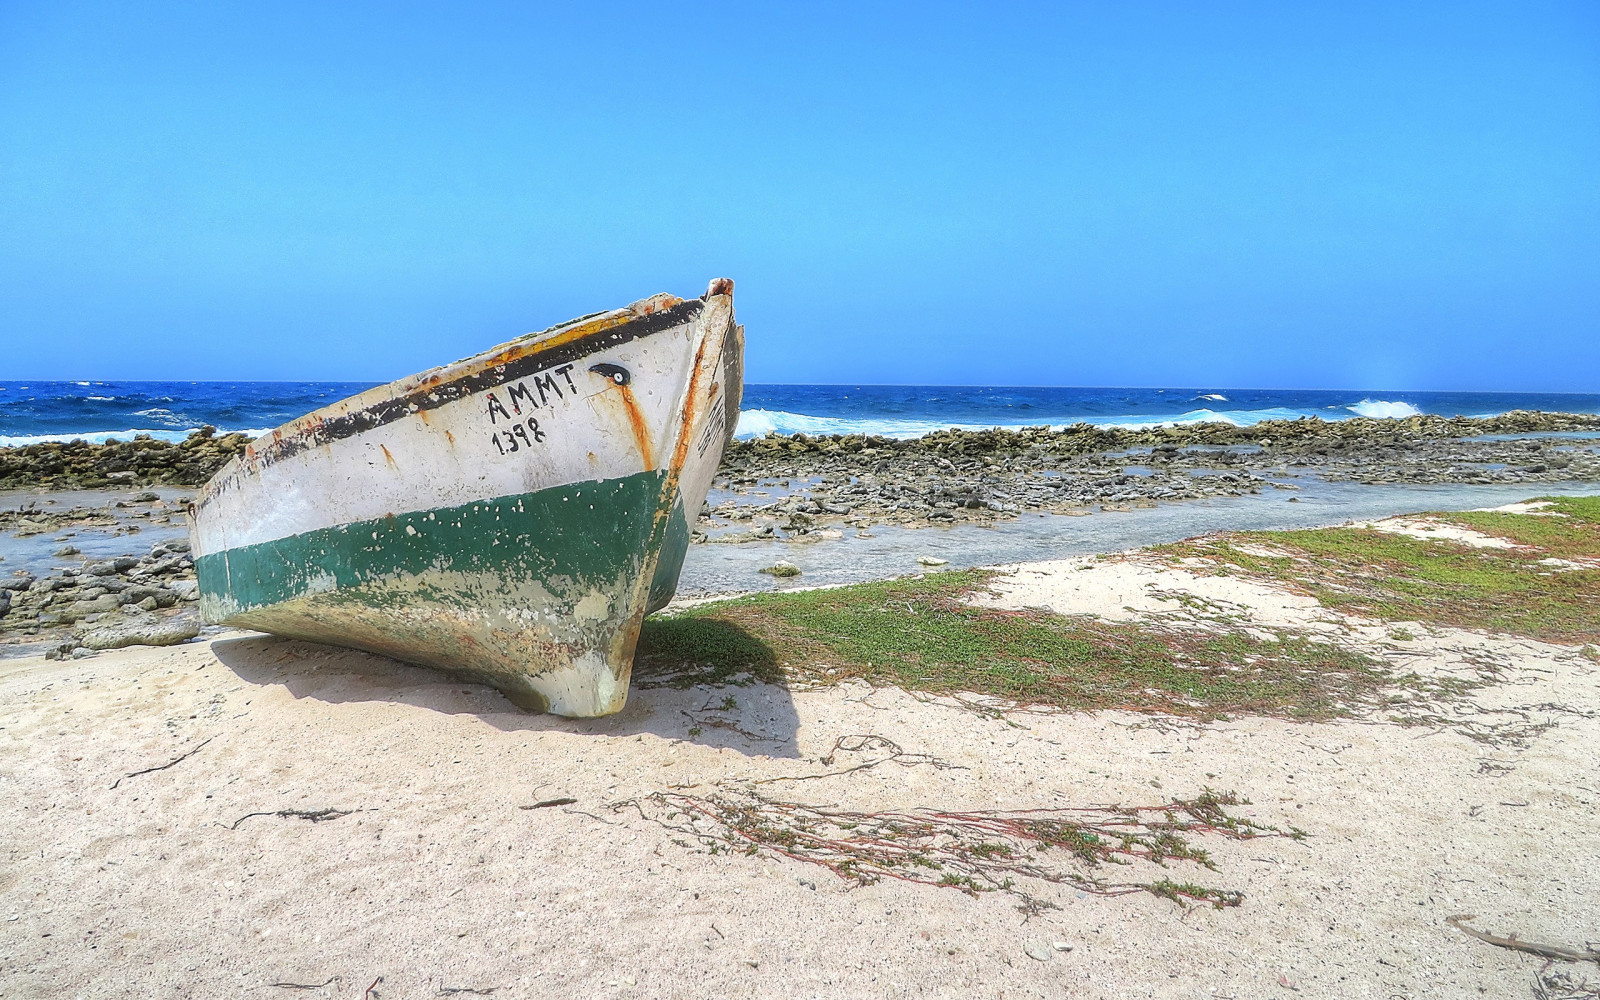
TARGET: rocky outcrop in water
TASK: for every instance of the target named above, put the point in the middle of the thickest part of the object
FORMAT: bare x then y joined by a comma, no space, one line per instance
953,476
143,461
1400,443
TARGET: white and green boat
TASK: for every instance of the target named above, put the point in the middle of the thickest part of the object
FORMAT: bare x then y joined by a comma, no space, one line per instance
511,517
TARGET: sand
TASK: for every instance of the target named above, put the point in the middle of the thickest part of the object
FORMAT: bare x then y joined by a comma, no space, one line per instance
436,879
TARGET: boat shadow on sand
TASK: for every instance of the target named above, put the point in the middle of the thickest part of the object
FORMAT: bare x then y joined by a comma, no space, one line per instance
754,719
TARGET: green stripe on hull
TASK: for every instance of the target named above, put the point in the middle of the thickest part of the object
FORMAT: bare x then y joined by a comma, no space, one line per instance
540,594
670,564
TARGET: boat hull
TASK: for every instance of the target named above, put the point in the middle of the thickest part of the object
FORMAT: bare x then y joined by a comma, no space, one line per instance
511,518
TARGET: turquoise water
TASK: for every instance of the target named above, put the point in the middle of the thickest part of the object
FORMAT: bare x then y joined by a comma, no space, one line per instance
42,411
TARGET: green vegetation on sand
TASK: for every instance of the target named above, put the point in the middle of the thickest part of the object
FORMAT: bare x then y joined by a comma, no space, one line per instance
1547,586
920,634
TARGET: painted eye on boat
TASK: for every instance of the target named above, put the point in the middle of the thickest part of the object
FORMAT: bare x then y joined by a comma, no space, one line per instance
615,373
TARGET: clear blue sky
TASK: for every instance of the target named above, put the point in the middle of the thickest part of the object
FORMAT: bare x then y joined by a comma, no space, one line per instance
1385,195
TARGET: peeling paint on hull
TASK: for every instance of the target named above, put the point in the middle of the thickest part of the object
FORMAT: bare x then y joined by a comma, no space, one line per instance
517,533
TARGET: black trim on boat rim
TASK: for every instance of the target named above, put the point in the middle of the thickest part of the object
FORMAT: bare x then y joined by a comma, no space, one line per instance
392,409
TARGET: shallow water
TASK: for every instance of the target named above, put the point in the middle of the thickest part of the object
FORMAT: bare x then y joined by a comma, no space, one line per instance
36,553
728,568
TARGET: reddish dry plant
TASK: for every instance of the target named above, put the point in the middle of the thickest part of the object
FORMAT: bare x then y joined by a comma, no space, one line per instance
980,851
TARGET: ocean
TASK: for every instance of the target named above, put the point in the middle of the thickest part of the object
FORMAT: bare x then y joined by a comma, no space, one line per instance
32,412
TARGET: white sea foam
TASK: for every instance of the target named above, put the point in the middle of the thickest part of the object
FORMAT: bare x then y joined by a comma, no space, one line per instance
162,414
1381,408
756,423
100,437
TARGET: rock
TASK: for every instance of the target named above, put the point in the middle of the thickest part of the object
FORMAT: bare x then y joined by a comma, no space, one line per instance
68,550
141,631
1062,946
1037,949
93,606
5,603
146,497
780,568
187,590
932,561
23,580
110,567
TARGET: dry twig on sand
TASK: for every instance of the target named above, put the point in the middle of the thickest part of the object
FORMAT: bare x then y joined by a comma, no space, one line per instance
867,744
162,767
314,815
979,851
1550,951
696,724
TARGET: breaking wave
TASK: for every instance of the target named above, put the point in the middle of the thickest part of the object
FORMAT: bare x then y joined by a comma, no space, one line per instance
1382,408
100,437
759,422
163,415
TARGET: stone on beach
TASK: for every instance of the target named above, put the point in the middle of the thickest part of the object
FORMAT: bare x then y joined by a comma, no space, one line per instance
141,631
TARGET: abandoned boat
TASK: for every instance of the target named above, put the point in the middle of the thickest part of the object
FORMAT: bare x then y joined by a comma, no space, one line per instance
511,517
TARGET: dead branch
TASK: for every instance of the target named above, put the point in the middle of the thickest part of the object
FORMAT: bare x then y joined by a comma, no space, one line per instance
580,812
314,815
1532,948
305,986
446,991
547,803
732,727
369,992
163,767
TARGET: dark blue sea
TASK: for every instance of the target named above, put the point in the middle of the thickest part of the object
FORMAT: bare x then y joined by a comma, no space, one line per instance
57,411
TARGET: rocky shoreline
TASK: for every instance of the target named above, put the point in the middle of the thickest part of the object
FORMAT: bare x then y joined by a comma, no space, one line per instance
1410,449
99,603
801,485
107,604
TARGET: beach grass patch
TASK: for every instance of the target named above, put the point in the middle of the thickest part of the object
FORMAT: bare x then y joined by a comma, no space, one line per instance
1547,587
922,635
1569,528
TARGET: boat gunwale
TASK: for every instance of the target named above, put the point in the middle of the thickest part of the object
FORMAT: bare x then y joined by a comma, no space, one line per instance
506,362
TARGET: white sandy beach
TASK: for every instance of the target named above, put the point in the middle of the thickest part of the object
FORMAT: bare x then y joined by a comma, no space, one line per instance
438,880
